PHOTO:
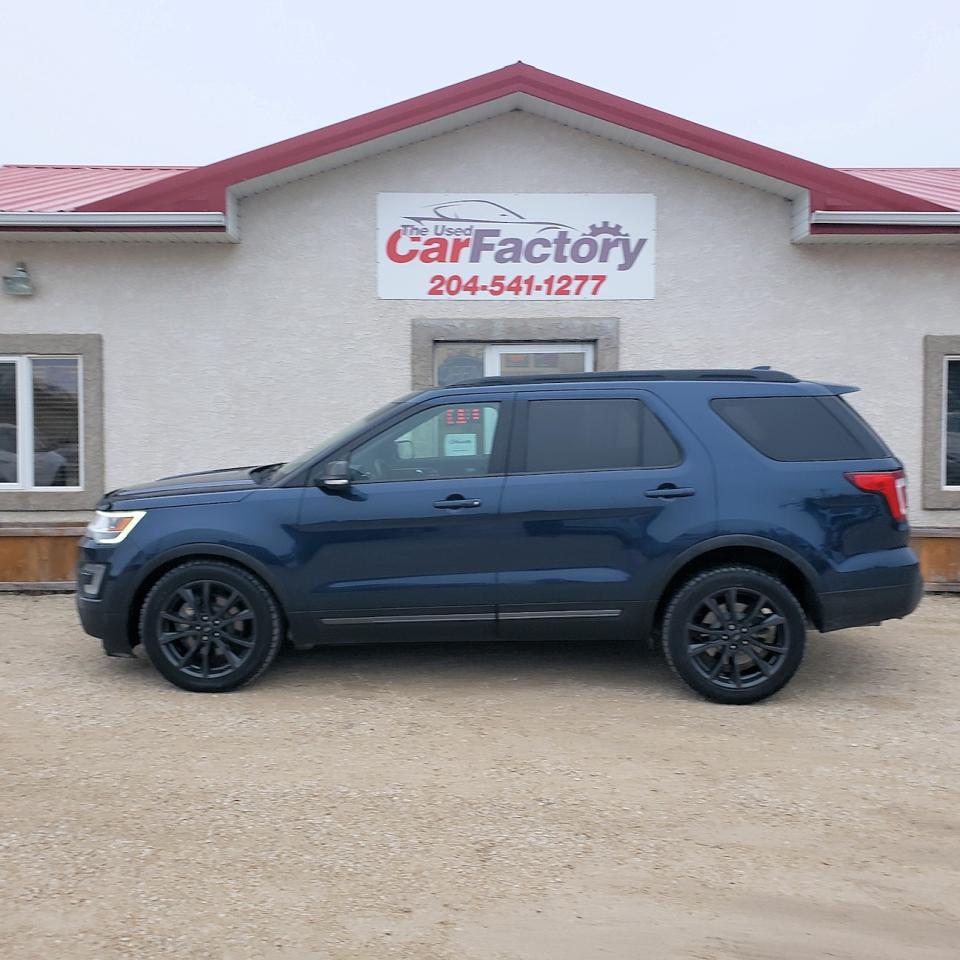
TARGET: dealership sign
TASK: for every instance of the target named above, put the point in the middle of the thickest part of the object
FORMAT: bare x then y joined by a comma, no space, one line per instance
515,246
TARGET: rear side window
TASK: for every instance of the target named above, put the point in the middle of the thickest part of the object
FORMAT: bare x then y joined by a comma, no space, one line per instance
569,435
801,428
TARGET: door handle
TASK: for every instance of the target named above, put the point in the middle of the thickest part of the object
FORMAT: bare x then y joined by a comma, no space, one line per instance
667,491
456,502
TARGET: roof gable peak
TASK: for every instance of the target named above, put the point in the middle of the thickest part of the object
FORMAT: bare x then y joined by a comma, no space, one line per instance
517,86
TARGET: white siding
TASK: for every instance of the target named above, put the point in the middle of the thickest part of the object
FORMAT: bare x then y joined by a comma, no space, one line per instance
229,354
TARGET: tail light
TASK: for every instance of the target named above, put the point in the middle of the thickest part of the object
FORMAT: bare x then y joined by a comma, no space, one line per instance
890,484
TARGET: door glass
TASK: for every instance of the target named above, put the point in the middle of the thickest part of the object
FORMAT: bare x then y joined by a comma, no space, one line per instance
457,363
453,440
569,435
462,361
8,423
539,359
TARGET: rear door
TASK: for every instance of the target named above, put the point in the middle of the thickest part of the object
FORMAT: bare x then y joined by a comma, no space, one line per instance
604,488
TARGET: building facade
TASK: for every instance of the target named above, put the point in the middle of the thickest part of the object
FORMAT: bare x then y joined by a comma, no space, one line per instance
163,320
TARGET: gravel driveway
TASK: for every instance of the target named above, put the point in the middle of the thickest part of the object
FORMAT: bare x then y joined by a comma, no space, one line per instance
545,801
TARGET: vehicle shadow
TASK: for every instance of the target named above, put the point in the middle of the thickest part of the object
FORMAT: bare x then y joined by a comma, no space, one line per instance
845,662
840,663
613,663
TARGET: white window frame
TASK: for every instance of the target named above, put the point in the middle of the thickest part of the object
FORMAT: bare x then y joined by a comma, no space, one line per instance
494,351
944,412
23,366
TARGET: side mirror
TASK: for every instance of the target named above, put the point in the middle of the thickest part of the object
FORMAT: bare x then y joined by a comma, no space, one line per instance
336,475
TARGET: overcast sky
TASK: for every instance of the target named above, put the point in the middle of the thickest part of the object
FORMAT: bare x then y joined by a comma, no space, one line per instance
845,83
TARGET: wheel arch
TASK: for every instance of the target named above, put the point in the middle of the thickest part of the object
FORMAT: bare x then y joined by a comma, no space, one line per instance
187,553
768,555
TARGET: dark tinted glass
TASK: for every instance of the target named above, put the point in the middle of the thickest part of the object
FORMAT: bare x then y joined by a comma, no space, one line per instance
952,460
564,435
9,472
801,428
56,422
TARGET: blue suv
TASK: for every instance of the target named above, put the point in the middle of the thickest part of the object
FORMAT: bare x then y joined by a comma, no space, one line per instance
717,512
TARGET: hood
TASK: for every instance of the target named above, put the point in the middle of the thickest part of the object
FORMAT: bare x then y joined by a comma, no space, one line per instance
230,480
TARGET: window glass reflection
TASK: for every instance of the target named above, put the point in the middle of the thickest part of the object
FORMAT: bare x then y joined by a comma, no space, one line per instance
56,422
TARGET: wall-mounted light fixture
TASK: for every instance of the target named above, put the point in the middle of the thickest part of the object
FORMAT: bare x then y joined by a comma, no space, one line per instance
19,283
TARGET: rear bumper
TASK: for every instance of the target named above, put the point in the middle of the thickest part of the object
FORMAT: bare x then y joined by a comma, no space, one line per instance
865,605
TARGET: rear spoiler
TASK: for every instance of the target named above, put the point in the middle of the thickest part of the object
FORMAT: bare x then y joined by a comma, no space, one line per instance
838,388
835,388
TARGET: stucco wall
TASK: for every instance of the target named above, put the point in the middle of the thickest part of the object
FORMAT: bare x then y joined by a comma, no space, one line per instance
225,354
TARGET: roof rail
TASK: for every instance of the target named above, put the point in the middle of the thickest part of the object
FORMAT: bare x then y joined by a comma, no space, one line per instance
607,376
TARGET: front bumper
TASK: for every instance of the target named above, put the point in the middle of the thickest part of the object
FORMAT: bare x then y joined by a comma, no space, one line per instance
109,628
102,601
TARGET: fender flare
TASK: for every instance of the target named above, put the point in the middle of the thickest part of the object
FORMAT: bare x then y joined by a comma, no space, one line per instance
738,540
192,550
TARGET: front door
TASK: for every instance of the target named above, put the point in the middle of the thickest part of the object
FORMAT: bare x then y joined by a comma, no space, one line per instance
410,549
604,489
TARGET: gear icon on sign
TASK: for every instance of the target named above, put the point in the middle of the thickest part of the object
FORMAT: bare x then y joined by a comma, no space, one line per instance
614,230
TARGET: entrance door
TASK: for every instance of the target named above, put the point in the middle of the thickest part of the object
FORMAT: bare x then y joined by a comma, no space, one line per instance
522,359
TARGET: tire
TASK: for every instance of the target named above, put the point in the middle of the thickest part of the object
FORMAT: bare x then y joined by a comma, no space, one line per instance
734,659
210,627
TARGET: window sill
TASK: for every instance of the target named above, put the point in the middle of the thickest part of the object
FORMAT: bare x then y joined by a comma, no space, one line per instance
48,500
936,497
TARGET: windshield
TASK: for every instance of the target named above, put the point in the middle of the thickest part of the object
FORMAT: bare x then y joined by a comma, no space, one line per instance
288,469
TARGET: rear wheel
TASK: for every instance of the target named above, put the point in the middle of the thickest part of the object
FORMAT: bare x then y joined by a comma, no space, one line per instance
210,627
734,634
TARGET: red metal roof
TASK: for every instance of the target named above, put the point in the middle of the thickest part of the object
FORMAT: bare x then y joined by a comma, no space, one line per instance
939,184
205,188
118,189
45,188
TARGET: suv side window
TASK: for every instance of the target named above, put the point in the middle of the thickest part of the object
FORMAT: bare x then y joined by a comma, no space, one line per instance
595,434
453,440
794,429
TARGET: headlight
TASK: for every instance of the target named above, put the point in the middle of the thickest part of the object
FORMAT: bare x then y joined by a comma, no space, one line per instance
115,526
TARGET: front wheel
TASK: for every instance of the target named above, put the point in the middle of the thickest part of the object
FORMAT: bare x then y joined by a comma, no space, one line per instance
210,626
734,634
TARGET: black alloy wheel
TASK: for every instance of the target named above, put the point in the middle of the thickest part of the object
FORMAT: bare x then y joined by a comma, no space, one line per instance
207,629
734,634
736,639
210,626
